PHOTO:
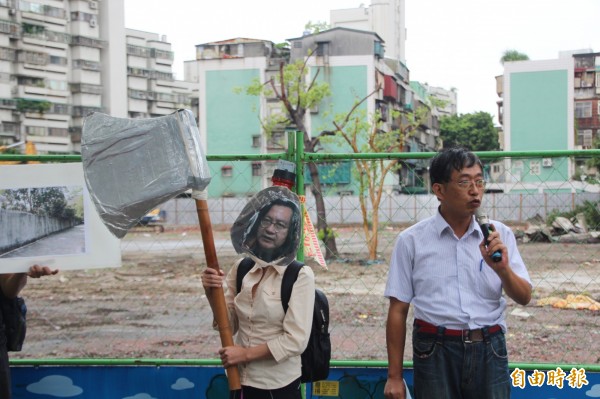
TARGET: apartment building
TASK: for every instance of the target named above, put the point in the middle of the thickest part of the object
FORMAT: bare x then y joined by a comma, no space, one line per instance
385,17
60,61
50,72
350,61
549,105
152,90
354,66
448,98
229,119
587,99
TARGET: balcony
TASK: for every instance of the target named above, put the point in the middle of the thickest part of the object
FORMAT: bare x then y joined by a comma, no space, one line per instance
499,85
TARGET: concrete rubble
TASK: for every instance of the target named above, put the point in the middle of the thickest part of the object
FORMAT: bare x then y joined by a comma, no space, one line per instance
562,230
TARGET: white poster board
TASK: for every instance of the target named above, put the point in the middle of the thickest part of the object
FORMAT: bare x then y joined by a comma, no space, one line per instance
47,218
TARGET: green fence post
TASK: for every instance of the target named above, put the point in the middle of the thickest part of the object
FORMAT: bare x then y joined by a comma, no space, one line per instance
300,184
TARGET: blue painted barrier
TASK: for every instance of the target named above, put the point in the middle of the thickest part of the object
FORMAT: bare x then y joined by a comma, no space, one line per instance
182,382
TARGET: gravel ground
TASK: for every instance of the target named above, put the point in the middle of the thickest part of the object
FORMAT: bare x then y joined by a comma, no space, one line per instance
154,305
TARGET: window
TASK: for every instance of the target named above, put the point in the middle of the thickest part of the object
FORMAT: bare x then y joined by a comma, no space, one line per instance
277,140
9,127
534,168
57,85
163,75
61,109
323,50
164,54
86,88
86,64
82,16
31,81
256,168
226,171
91,42
584,138
32,57
583,109
138,50
7,54
36,131
58,132
379,49
256,141
56,60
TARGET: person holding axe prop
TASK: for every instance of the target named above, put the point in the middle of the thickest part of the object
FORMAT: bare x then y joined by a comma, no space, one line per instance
133,165
268,340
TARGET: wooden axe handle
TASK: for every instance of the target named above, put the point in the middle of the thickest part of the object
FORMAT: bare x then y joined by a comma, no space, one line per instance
217,296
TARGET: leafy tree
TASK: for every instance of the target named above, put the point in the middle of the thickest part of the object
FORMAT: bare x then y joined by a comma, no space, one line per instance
297,94
594,162
48,201
513,55
361,133
475,131
44,201
316,27
26,105
17,200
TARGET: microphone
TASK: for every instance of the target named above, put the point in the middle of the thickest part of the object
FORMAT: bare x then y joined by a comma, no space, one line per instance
484,224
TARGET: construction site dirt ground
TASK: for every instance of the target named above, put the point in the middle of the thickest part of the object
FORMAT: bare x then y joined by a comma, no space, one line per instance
153,306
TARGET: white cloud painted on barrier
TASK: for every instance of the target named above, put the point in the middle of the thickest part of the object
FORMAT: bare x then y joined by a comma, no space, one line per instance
140,396
181,384
594,392
55,385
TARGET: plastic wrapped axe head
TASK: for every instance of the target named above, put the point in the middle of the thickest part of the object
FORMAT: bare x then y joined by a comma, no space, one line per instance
133,165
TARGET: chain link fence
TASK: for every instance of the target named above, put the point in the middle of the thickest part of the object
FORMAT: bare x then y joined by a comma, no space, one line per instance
154,305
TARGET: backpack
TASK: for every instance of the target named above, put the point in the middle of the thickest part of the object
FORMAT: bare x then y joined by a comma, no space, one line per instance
14,312
316,356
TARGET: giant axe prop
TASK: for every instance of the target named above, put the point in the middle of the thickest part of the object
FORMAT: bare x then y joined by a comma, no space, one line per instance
133,165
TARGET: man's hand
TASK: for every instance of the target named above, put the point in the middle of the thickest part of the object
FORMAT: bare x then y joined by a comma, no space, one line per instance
515,287
394,389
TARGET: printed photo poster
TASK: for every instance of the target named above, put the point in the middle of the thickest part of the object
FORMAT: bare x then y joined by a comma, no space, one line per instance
47,218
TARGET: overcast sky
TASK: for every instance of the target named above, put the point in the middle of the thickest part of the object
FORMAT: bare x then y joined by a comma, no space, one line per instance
449,43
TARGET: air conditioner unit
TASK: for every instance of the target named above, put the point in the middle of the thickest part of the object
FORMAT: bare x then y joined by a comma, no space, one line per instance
547,162
93,22
93,5
12,11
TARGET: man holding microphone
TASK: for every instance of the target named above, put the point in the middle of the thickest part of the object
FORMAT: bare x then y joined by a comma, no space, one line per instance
454,278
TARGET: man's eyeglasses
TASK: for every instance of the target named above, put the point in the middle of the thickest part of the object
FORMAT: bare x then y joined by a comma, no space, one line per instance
278,226
467,184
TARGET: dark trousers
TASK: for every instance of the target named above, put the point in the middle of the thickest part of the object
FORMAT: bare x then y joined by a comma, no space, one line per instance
291,391
5,387
449,368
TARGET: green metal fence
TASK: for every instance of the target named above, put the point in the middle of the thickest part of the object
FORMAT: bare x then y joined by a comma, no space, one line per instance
153,307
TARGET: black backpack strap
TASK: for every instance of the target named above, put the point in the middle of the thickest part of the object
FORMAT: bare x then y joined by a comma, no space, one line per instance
287,284
243,268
